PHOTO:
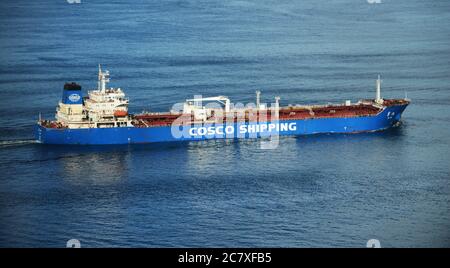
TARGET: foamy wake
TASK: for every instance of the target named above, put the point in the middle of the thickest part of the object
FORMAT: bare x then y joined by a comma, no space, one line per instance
17,142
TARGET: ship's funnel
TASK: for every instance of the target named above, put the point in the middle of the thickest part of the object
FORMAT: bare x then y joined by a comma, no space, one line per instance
72,94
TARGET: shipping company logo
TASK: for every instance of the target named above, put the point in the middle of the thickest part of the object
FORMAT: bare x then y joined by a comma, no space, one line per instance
74,97
210,121
242,129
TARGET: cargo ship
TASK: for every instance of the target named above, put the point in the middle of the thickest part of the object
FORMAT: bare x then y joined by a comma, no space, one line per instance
102,117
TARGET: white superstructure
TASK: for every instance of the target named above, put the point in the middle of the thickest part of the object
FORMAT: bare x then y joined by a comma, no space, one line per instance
195,107
104,107
212,110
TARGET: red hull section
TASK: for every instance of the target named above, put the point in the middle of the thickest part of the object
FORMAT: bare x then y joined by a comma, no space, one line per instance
366,108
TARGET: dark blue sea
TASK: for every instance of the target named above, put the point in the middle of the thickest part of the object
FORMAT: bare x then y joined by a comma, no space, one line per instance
315,191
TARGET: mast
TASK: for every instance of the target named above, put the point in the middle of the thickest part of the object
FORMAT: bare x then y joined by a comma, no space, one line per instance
378,98
99,77
258,95
277,108
103,78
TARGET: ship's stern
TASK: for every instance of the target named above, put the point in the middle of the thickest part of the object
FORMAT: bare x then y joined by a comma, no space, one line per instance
38,132
48,135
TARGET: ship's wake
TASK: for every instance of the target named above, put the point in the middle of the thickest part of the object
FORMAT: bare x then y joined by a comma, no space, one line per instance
8,143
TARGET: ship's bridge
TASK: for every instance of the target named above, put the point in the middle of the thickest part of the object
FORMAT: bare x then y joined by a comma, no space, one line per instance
107,107
103,107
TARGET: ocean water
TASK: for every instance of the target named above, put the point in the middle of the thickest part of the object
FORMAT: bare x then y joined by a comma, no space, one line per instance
316,191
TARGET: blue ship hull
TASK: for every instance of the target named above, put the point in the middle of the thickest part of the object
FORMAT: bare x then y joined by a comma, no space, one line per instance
130,135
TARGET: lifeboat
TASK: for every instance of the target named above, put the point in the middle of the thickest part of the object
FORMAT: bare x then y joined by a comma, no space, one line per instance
120,113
